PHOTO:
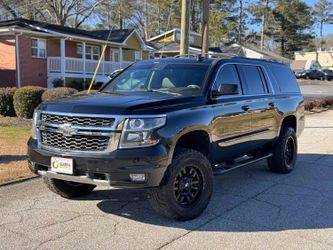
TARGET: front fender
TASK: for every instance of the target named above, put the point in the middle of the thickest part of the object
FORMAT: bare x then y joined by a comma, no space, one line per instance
182,122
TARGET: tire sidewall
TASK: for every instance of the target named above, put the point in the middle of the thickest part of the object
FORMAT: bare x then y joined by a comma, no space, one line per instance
200,163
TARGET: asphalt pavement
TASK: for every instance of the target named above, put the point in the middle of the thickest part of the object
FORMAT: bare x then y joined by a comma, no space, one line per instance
313,90
251,208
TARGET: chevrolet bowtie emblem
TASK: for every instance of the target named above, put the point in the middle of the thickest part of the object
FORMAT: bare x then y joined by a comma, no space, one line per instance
67,129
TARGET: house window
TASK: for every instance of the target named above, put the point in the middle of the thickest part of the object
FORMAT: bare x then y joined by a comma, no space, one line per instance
79,49
38,47
114,55
138,56
92,52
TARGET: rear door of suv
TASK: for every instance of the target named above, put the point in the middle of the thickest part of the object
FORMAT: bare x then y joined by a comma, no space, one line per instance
262,106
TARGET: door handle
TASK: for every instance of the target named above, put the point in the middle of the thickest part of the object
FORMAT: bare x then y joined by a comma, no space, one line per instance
245,107
271,104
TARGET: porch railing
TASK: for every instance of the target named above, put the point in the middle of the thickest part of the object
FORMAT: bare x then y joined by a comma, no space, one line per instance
76,65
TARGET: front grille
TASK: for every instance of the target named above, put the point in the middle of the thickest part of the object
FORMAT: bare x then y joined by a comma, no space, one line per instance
77,120
74,142
76,132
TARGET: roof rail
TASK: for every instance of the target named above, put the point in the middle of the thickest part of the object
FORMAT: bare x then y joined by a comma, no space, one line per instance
207,55
261,60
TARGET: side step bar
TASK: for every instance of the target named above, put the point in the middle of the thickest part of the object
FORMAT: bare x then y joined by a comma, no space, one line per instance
223,170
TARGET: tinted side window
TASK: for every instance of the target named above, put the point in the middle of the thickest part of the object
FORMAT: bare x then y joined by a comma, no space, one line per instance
285,79
228,75
253,80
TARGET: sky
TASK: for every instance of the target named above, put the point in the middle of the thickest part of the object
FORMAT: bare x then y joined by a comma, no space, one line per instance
328,28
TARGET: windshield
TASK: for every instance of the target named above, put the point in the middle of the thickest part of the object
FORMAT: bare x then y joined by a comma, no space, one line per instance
174,78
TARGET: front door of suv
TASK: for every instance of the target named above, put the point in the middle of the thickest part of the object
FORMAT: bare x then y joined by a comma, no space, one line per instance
262,104
232,119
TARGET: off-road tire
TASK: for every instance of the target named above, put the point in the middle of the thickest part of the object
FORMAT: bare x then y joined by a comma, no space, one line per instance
68,189
163,199
280,162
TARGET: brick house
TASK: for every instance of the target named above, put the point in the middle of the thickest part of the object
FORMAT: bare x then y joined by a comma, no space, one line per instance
36,53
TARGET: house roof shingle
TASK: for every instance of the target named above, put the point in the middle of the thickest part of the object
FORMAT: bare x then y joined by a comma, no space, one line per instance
117,35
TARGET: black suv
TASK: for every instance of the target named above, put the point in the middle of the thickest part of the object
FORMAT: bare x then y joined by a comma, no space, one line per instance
328,74
169,125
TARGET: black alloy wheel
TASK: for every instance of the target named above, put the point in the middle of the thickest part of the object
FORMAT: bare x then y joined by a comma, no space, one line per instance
188,186
289,152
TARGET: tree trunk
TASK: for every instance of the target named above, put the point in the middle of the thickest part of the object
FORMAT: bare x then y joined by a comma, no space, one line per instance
159,17
263,25
146,21
321,34
282,47
120,14
240,25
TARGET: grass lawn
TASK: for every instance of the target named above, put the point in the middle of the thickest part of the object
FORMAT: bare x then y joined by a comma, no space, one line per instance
13,149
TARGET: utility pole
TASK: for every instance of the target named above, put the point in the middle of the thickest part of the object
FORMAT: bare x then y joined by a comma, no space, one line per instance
185,26
205,27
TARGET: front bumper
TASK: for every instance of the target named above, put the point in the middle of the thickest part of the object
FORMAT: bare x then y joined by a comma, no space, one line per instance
110,169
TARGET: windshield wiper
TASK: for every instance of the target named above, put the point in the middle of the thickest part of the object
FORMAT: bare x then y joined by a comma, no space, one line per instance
163,91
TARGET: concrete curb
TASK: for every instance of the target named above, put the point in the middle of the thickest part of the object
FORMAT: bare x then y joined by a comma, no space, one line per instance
19,181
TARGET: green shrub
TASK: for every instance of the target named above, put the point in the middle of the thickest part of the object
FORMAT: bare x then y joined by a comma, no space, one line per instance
309,105
6,101
58,82
26,100
57,93
318,103
75,84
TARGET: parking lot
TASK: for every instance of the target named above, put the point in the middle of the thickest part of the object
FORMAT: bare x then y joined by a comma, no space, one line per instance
250,209
315,90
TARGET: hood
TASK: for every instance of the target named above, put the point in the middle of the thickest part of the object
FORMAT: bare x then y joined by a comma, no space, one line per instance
122,103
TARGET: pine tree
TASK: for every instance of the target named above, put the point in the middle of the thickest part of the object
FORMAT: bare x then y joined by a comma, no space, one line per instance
234,21
292,26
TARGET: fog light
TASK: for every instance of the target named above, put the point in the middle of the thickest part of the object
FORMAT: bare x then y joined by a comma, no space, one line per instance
138,177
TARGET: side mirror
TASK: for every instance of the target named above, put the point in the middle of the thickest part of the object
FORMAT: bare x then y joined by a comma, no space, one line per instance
226,89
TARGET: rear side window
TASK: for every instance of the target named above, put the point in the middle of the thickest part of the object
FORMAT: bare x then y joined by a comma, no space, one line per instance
228,75
285,79
254,83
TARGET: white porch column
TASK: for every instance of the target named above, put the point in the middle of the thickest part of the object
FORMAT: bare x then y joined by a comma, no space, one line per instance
62,60
84,60
18,73
120,58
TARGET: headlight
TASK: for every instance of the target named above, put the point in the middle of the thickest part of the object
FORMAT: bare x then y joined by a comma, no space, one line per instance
137,132
34,125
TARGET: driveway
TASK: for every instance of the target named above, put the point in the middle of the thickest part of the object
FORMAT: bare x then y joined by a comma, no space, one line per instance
251,208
